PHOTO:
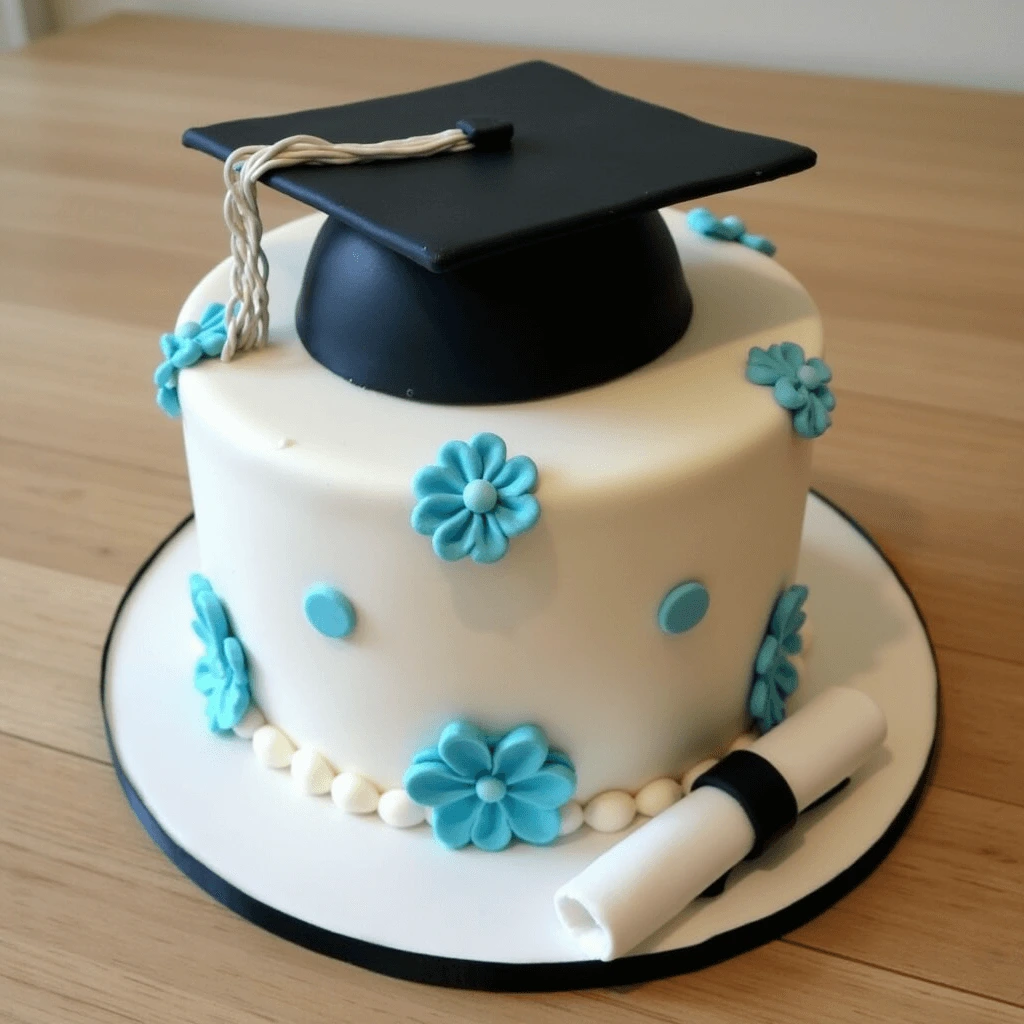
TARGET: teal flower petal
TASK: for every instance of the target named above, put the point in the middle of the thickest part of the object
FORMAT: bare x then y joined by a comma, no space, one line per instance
787,609
820,419
759,698
461,459
530,823
803,423
766,655
789,396
165,375
205,677
702,221
168,345
212,344
189,353
517,476
167,399
491,829
234,656
453,823
226,706
792,643
516,515
792,354
492,452
520,754
762,371
434,510
453,539
785,677
549,787
561,757
828,400
435,784
488,543
213,316
437,480
428,754
463,747
197,584
211,615
758,242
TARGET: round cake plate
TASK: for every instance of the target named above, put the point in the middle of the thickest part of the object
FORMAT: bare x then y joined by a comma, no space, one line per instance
394,901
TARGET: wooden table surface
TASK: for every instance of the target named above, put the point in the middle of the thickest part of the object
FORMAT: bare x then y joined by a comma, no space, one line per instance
910,234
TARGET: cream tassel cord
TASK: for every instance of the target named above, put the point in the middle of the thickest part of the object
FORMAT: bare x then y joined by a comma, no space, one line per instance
247,313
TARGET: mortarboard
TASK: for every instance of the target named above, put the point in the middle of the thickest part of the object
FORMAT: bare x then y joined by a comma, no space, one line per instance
530,265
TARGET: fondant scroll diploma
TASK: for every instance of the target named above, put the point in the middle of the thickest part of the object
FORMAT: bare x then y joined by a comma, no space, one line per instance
634,888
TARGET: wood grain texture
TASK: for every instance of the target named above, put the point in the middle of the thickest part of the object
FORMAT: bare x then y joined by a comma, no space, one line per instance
910,235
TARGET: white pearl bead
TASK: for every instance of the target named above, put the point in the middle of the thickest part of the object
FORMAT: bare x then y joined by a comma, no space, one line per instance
657,796
695,772
354,794
311,772
610,812
251,721
397,809
272,747
572,818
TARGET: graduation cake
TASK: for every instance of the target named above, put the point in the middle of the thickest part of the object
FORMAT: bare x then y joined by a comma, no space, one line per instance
499,467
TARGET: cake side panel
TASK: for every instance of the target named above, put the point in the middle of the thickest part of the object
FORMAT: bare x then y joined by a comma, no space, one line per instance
562,632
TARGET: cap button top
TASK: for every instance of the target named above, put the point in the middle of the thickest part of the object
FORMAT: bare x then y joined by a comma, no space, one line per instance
488,134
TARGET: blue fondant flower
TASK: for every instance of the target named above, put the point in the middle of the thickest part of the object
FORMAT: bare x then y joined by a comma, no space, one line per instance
487,789
474,499
220,674
799,385
185,347
775,678
729,229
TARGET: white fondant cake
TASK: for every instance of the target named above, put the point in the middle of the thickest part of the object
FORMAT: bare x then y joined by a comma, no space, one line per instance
681,470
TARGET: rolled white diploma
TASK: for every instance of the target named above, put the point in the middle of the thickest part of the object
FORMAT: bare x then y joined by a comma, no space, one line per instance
641,883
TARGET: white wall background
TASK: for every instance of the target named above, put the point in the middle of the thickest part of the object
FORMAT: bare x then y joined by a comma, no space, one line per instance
961,42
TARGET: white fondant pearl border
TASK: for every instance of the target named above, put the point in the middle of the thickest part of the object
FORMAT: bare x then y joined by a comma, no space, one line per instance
611,811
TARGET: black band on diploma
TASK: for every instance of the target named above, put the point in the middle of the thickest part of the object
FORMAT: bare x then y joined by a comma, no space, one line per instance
759,788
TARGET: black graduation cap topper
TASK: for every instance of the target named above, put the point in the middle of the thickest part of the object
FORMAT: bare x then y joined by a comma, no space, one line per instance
522,262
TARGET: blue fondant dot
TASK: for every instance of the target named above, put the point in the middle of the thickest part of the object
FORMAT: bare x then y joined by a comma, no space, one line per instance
480,496
683,607
490,789
329,611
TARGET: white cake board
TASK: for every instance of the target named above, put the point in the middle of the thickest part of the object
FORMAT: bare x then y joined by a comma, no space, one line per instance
395,901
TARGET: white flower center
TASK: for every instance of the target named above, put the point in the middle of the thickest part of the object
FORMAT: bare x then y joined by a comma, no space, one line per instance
490,789
480,496
808,376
